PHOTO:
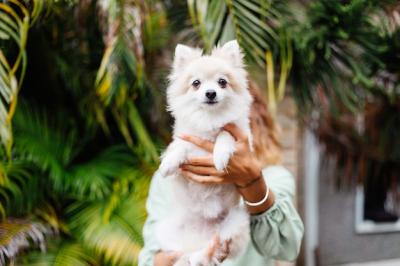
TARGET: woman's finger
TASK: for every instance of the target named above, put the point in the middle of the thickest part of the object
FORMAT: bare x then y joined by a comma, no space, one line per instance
202,143
224,251
166,258
236,132
202,179
202,170
173,256
212,248
201,161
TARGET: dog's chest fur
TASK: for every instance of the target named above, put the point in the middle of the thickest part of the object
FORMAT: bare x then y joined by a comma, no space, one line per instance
203,200
206,202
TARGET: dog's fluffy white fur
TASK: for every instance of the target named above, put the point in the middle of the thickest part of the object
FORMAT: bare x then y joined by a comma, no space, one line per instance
201,211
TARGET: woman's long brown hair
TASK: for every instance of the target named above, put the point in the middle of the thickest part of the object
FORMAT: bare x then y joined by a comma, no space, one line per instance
265,139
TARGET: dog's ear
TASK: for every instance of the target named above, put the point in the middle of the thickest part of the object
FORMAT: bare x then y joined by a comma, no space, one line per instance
230,51
184,54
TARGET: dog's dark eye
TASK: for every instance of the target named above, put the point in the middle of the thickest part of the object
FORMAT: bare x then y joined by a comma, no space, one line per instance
222,83
196,83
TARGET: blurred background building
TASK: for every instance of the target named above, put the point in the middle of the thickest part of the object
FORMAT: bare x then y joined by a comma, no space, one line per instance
337,231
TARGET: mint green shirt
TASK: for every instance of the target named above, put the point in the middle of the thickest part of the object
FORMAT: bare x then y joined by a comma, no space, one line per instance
275,234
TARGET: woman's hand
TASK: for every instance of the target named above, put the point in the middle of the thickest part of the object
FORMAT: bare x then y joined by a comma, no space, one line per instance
243,170
243,166
216,250
163,258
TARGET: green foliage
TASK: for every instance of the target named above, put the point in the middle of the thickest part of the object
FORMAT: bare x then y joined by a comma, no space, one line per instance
336,43
15,193
60,254
328,46
120,77
108,228
51,148
97,198
259,28
81,156
13,28
16,234
346,70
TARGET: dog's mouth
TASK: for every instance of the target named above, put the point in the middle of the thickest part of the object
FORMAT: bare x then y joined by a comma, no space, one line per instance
211,102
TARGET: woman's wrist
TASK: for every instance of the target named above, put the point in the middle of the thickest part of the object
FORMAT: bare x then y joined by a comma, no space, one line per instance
253,170
250,182
256,192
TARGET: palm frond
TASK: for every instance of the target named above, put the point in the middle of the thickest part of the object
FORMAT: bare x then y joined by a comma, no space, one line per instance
220,21
93,179
257,27
112,228
17,235
13,30
120,78
15,194
61,254
50,145
329,46
16,17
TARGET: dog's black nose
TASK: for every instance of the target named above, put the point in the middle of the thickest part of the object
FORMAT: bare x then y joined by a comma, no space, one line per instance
211,94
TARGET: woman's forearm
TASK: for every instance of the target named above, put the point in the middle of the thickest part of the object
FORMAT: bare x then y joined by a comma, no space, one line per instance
255,192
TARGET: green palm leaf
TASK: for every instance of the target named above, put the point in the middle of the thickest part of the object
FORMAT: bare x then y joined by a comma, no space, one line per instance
112,228
53,148
93,179
16,198
220,21
17,235
257,27
61,254
330,42
120,78
15,20
49,145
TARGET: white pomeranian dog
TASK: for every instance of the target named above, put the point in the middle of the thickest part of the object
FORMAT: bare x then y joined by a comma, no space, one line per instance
205,93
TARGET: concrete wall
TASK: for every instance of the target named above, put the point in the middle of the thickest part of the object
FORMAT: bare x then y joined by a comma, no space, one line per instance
338,242
290,139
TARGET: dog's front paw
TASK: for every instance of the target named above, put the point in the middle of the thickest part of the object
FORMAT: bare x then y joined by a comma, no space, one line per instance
223,149
221,157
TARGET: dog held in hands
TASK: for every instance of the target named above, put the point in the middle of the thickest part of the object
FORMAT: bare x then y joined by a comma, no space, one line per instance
205,93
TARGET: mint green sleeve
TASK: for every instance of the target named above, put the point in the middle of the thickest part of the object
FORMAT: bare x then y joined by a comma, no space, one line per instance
277,233
156,206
